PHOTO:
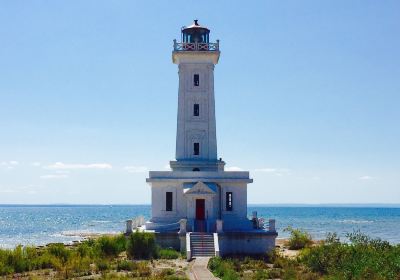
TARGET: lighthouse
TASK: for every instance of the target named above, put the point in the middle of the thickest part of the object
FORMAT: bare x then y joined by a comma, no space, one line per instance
196,140
198,198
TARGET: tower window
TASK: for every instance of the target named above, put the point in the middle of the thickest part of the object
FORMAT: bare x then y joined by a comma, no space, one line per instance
196,149
196,110
168,201
229,201
196,80
196,169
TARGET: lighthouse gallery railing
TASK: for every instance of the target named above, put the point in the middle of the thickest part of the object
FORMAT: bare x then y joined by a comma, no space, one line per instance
196,46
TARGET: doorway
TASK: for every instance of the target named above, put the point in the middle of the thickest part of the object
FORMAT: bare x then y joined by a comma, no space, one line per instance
200,223
200,209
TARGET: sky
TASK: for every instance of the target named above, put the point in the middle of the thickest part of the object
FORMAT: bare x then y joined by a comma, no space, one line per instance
307,98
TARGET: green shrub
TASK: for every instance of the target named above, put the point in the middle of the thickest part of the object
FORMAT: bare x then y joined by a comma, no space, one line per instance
261,275
59,251
362,258
143,269
142,245
47,260
87,249
168,254
111,246
5,266
298,239
223,268
126,265
102,265
78,264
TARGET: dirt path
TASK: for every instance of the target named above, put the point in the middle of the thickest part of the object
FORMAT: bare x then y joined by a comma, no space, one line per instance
199,270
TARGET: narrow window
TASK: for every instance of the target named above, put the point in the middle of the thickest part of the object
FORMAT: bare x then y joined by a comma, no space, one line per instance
196,169
196,110
196,80
229,201
168,201
196,149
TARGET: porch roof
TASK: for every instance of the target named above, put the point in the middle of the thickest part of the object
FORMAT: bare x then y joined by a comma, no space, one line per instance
189,186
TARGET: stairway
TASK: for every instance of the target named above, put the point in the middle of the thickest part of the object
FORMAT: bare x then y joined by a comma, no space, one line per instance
202,244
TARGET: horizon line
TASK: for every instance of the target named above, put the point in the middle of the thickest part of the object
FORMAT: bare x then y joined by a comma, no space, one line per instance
396,205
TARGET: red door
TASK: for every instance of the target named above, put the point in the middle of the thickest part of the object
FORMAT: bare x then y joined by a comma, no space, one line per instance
200,209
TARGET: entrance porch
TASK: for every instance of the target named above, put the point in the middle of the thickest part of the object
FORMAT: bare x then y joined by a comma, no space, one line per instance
201,198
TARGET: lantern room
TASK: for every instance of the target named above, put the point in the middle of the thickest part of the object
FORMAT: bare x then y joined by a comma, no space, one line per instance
195,38
195,33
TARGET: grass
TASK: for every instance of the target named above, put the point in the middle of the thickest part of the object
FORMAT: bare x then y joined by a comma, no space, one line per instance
298,239
169,254
102,255
360,258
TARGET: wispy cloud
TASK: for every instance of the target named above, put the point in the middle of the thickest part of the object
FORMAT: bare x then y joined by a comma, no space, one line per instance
233,168
8,191
54,176
366,178
29,189
61,165
36,164
136,169
9,164
273,171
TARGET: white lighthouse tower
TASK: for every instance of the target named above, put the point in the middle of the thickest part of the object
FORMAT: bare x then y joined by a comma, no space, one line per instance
196,140
197,195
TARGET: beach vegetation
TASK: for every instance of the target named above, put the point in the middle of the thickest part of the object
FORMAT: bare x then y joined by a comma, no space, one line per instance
357,257
168,254
111,246
362,257
103,255
298,239
126,265
142,245
223,268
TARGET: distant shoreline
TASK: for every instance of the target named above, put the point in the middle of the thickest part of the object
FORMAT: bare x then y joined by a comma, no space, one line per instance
322,205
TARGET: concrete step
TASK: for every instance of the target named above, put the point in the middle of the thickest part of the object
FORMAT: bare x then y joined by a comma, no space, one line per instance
203,255
201,251
199,238
202,245
210,239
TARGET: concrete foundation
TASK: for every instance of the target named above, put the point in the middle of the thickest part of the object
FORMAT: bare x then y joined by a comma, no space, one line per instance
242,243
168,240
250,243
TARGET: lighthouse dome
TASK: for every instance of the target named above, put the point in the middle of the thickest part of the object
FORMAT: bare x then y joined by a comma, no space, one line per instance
195,33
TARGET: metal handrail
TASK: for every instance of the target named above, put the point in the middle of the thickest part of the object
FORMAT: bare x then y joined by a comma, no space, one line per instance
196,46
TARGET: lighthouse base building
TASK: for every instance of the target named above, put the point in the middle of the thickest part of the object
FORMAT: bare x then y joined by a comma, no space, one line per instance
198,207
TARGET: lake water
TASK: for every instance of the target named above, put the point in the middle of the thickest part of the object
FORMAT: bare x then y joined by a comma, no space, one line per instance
39,225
